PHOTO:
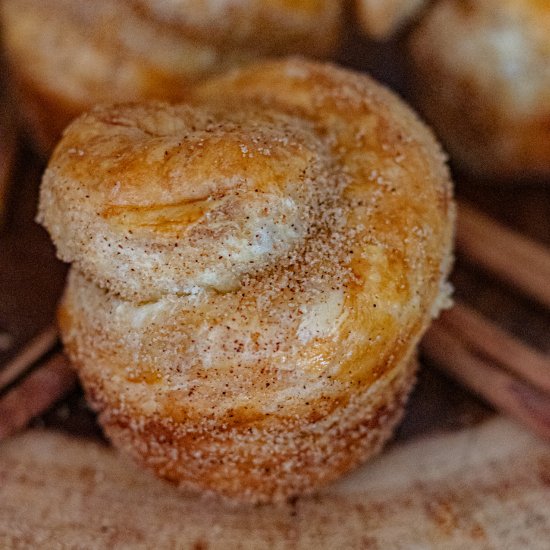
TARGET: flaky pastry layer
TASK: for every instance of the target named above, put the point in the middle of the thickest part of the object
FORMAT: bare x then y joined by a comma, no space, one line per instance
304,220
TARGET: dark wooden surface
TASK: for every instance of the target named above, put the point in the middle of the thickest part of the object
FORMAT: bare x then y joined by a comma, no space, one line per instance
31,280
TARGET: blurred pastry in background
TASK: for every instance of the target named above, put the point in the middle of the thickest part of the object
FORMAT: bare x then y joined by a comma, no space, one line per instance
65,56
381,19
482,79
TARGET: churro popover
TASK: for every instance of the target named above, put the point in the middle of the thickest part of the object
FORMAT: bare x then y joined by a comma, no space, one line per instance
66,55
482,72
251,273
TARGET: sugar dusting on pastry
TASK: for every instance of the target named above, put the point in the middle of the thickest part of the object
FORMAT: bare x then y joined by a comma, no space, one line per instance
325,205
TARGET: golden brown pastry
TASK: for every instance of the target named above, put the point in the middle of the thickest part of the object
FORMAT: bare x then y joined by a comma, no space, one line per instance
67,55
483,80
251,273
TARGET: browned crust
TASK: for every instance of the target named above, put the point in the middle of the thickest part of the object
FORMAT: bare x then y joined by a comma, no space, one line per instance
247,461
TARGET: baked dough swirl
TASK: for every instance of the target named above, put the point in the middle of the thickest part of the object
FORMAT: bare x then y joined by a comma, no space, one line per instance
65,55
251,273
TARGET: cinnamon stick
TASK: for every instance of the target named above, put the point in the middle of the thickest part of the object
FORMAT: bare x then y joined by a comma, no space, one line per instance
35,394
41,344
495,344
511,257
500,388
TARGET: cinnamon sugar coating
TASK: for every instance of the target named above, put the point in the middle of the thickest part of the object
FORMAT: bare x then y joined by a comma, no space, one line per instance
320,209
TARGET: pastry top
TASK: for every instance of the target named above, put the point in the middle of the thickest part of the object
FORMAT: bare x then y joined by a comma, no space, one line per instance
500,47
160,199
295,220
